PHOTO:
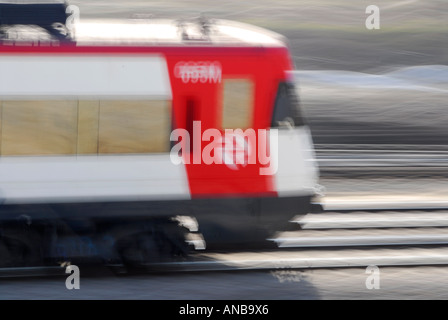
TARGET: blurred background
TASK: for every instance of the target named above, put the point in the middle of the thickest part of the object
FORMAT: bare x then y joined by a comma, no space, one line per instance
377,104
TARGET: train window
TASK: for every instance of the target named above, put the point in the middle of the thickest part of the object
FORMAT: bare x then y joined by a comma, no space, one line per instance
88,116
39,127
238,103
287,107
134,126
57,127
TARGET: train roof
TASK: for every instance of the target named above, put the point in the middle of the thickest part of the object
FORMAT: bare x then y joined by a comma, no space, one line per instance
55,21
213,32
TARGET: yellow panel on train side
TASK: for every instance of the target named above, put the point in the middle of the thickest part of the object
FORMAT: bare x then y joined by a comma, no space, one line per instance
134,126
88,122
39,127
238,103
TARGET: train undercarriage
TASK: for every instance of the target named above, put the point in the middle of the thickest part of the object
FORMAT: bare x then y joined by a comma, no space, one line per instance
149,232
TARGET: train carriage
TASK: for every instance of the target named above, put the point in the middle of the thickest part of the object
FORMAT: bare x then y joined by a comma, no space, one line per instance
129,140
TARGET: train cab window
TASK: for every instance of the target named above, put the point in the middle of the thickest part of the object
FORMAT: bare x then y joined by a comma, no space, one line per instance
134,126
39,127
238,103
287,107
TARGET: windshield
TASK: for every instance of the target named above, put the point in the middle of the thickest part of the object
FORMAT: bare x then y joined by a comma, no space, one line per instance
287,110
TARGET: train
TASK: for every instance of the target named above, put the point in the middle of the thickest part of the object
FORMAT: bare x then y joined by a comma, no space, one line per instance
137,141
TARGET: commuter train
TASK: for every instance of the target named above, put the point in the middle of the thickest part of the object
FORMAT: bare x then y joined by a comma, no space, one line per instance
136,141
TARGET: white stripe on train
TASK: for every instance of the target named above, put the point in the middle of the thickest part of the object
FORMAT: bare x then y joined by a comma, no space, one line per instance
91,179
83,76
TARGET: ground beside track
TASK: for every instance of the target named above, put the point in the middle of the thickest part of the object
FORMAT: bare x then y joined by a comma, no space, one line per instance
423,282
